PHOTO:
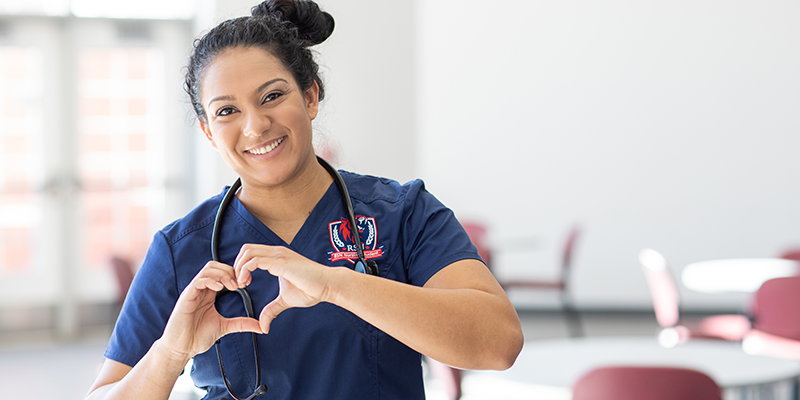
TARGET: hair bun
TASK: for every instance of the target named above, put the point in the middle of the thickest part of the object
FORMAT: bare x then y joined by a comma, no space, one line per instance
314,26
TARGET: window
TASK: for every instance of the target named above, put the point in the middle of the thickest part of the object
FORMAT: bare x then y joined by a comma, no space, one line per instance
21,165
93,129
121,136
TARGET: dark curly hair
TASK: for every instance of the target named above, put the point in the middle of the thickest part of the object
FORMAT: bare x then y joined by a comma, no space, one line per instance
285,28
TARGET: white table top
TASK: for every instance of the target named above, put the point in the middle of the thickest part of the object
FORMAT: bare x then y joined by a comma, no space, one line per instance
561,362
735,275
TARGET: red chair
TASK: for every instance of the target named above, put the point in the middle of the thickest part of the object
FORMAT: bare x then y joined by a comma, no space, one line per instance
776,319
479,237
666,304
123,270
478,234
449,377
562,284
791,254
651,383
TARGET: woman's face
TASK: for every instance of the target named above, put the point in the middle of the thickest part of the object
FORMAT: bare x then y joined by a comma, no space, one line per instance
257,117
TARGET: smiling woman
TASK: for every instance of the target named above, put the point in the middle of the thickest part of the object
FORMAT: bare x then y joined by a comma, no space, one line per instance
354,280
257,112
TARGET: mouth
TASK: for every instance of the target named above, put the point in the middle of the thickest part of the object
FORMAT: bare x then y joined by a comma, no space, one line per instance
266,148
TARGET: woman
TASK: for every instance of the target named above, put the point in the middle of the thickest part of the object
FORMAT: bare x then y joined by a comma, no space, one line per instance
325,330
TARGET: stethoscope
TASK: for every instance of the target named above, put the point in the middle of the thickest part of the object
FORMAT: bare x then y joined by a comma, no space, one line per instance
361,265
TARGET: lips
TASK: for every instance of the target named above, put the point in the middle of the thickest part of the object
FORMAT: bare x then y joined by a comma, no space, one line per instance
267,148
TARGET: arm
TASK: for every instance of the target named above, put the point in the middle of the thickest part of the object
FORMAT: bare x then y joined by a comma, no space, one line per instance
192,328
152,378
461,316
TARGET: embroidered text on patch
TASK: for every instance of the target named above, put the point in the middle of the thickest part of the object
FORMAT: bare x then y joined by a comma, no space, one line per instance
344,245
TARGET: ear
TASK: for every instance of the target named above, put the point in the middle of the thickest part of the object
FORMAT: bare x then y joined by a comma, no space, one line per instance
207,132
312,100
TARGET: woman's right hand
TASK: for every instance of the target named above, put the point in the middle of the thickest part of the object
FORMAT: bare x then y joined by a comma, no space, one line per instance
195,324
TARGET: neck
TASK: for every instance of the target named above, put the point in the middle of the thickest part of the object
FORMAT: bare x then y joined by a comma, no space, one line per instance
285,208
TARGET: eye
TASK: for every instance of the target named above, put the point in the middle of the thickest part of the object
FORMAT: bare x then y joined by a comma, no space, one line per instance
272,96
225,111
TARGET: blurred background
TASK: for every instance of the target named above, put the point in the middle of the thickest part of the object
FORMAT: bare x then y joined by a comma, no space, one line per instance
671,125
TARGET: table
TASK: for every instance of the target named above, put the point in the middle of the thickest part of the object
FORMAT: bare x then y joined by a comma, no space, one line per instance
735,275
559,363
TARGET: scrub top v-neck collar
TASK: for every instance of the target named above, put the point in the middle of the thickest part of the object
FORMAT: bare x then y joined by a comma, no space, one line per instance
300,242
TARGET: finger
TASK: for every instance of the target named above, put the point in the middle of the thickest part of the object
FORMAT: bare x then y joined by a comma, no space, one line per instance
251,263
221,272
213,279
246,253
197,293
270,311
241,324
208,283
239,257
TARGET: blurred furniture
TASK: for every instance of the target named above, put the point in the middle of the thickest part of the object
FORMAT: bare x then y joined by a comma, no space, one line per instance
791,254
666,304
651,383
478,235
560,363
123,270
449,377
736,275
776,319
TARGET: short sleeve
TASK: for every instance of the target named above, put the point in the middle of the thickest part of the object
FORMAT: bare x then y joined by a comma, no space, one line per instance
432,236
147,308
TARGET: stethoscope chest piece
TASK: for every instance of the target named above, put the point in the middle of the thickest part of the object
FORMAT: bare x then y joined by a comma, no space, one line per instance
370,267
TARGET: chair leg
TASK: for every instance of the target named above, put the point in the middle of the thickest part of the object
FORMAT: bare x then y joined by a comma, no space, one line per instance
571,316
450,378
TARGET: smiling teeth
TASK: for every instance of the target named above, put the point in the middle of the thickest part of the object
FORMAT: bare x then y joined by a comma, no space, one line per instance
266,149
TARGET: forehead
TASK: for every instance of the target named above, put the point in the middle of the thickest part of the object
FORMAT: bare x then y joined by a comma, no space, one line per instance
241,69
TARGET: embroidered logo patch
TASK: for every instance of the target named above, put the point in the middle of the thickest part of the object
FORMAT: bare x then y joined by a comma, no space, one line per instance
345,246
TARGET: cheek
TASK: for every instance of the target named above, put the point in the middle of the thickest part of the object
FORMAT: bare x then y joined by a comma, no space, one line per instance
303,124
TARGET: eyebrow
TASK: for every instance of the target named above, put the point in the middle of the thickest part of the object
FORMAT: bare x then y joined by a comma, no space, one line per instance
260,88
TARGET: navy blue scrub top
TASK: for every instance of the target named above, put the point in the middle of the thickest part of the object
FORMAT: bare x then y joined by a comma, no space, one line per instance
320,352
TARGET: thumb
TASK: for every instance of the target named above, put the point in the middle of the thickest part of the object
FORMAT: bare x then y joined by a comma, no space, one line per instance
241,324
271,311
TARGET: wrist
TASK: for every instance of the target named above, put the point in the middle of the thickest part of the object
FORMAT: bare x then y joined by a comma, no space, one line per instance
169,356
337,278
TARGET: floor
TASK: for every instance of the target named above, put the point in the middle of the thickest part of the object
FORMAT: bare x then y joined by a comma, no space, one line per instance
34,367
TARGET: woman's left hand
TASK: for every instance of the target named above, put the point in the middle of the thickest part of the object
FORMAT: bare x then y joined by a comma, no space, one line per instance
303,283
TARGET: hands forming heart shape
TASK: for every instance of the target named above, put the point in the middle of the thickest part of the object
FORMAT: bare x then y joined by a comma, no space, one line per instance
195,324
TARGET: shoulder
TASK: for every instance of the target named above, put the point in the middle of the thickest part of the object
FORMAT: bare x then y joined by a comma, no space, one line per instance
370,189
198,219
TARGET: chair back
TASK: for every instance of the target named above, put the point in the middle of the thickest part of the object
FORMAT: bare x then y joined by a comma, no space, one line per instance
791,254
651,383
478,235
568,253
663,290
123,270
776,307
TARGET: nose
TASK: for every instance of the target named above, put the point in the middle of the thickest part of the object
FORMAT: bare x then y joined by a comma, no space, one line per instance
256,123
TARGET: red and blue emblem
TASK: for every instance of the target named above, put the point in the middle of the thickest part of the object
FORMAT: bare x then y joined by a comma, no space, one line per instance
345,246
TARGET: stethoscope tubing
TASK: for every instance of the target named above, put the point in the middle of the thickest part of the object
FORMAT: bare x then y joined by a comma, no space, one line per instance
361,265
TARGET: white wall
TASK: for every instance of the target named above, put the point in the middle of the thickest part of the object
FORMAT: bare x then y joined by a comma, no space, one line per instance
367,117
669,124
